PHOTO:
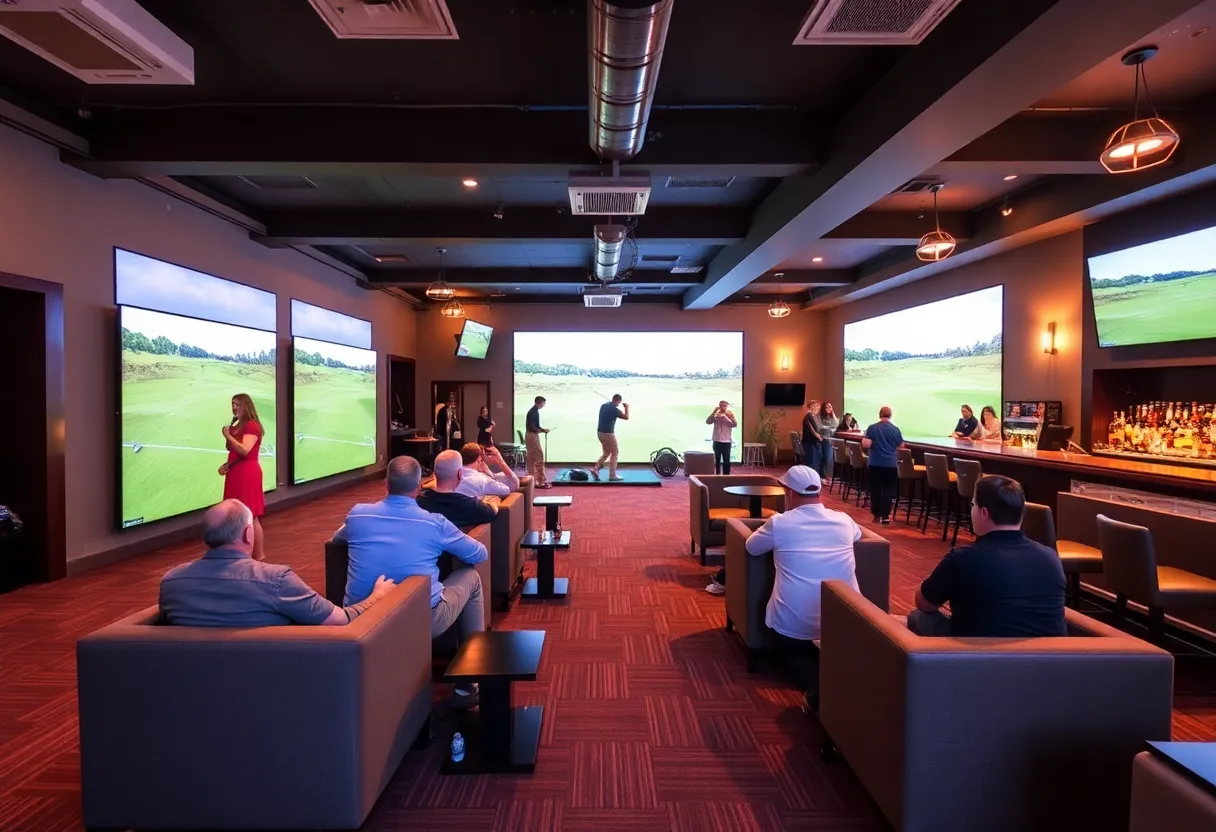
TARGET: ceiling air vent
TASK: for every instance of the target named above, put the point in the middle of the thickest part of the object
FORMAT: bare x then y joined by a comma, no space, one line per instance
388,19
279,183
699,181
607,297
916,186
609,196
871,22
660,258
99,41
689,269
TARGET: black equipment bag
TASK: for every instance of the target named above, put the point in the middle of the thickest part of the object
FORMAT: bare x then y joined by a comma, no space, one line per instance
666,462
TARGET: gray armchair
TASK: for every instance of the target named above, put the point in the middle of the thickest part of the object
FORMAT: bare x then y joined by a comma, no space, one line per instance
709,507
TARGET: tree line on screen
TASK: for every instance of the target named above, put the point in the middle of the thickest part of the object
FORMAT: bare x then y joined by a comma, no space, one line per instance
160,345
990,347
597,372
315,359
1133,279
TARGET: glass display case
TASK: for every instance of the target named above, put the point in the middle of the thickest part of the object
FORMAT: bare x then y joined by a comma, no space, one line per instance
1022,421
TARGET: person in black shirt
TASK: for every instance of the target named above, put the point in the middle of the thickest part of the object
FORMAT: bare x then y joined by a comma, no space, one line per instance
966,425
606,430
1003,586
463,511
534,453
447,428
485,428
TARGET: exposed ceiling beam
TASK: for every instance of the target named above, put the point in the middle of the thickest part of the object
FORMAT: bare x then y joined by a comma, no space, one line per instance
810,278
578,278
353,141
449,227
899,228
984,64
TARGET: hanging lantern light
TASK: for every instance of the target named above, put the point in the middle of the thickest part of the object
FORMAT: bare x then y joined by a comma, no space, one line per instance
778,310
937,244
440,290
1142,143
452,309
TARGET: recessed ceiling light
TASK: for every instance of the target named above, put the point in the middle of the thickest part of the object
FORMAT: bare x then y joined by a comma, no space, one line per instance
469,183
1011,177
816,259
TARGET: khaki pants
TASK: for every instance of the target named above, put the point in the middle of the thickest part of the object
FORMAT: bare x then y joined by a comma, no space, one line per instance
535,457
611,452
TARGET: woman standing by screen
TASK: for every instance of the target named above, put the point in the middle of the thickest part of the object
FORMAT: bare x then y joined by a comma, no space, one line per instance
242,472
485,428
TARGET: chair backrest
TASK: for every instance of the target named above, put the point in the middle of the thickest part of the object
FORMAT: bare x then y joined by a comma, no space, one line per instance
969,472
840,453
796,443
1038,524
855,457
1129,563
520,433
906,465
937,471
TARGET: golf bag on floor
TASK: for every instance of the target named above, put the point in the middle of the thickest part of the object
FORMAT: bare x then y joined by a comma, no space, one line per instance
666,462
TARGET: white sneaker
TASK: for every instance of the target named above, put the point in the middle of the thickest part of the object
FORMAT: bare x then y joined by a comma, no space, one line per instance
715,588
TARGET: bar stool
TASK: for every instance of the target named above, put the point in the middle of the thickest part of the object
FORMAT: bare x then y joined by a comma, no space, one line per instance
1130,564
911,479
840,465
753,453
939,482
969,472
796,444
1039,524
859,465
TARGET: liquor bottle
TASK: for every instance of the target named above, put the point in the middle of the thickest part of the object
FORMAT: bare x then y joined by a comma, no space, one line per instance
1114,432
1169,413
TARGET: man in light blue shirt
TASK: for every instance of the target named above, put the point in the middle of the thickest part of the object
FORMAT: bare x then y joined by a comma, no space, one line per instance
397,538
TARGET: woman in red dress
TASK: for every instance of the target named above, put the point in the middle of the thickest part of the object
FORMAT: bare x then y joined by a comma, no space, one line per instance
242,472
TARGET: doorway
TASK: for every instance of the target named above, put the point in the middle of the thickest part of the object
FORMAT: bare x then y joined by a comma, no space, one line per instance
400,411
471,396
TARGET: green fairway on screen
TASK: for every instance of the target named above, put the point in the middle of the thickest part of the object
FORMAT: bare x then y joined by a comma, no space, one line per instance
474,340
672,381
1156,293
926,362
179,375
334,412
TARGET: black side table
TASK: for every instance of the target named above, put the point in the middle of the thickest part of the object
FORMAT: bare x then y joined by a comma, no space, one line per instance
544,585
553,507
498,737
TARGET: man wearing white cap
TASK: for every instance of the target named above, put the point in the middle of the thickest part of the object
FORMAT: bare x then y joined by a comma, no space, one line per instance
810,544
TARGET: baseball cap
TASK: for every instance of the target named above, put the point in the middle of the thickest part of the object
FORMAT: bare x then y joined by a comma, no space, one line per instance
802,479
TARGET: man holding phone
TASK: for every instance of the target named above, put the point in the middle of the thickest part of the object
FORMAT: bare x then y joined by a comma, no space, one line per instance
606,430
723,420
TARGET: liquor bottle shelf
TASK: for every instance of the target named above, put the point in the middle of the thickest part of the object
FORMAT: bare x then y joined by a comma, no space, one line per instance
1165,459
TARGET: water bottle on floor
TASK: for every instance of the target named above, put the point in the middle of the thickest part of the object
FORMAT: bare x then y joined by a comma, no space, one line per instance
457,748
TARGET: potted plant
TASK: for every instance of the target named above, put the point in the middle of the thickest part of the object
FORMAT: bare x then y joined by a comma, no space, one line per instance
767,423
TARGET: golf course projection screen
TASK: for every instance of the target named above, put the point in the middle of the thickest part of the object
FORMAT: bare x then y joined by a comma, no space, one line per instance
333,393
926,362
1157,292
672,381
189,343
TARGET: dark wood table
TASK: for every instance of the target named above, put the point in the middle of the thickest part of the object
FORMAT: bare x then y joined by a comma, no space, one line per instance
756,494
545,585
553,507
420,448
498,737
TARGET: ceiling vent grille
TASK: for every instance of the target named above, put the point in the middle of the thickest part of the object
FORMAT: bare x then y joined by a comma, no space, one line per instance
605,298
388,19
916,186
699,181
660,258
279,183
872,22
689,269
99,41
609,196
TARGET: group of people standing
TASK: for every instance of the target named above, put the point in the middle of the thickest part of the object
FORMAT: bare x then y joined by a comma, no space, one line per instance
819,424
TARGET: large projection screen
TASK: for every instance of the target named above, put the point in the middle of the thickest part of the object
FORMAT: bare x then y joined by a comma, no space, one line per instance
926,362
671,380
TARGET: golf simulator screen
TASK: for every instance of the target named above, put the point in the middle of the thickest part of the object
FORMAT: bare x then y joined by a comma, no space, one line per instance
1157,292
333,393
926,362
672,381
189,342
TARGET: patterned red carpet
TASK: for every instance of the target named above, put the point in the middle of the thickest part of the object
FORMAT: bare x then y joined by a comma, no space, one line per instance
651,721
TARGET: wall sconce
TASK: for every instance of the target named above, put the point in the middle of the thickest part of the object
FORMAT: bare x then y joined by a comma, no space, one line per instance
785,360
1049,339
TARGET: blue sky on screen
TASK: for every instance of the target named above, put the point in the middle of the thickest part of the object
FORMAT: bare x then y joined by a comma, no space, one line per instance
221,339
155,284
933,327
350,356
641,352
308,321
1194,252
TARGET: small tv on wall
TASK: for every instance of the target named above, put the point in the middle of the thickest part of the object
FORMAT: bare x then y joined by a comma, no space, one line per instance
474,340
1157,292
784,395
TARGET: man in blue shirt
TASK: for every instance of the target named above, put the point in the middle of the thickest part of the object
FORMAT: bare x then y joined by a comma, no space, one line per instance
1003,586
606,430
883,440
397,538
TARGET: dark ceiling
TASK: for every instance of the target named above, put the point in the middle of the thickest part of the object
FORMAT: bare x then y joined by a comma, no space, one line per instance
775,168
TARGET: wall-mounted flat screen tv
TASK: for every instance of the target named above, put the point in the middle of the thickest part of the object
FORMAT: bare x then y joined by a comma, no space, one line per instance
784,395
474,340
1156,292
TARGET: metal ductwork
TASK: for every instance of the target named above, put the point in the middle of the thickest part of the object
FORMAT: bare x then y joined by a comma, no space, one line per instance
625,41
609,244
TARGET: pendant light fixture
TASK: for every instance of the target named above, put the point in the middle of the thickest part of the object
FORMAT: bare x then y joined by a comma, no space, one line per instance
440,290
1144,142
452,309
778,308
937,244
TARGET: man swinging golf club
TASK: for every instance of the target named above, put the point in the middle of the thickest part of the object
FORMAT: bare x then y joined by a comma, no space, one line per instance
606,430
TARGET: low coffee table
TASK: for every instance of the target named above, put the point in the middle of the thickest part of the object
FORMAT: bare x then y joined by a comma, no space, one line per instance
498,737
544,585
553,507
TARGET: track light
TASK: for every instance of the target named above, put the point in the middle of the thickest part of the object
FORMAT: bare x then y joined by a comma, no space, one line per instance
937,244
1143,142
440,290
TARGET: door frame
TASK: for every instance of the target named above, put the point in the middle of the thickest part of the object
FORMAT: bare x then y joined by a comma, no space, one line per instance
436,383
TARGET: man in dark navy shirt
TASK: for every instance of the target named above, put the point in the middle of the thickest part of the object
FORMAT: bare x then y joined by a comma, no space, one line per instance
534,454
606,430
1003,586
464,511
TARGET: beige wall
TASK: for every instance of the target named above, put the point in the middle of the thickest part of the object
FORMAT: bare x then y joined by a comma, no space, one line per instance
1043,283
764,341
61,225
